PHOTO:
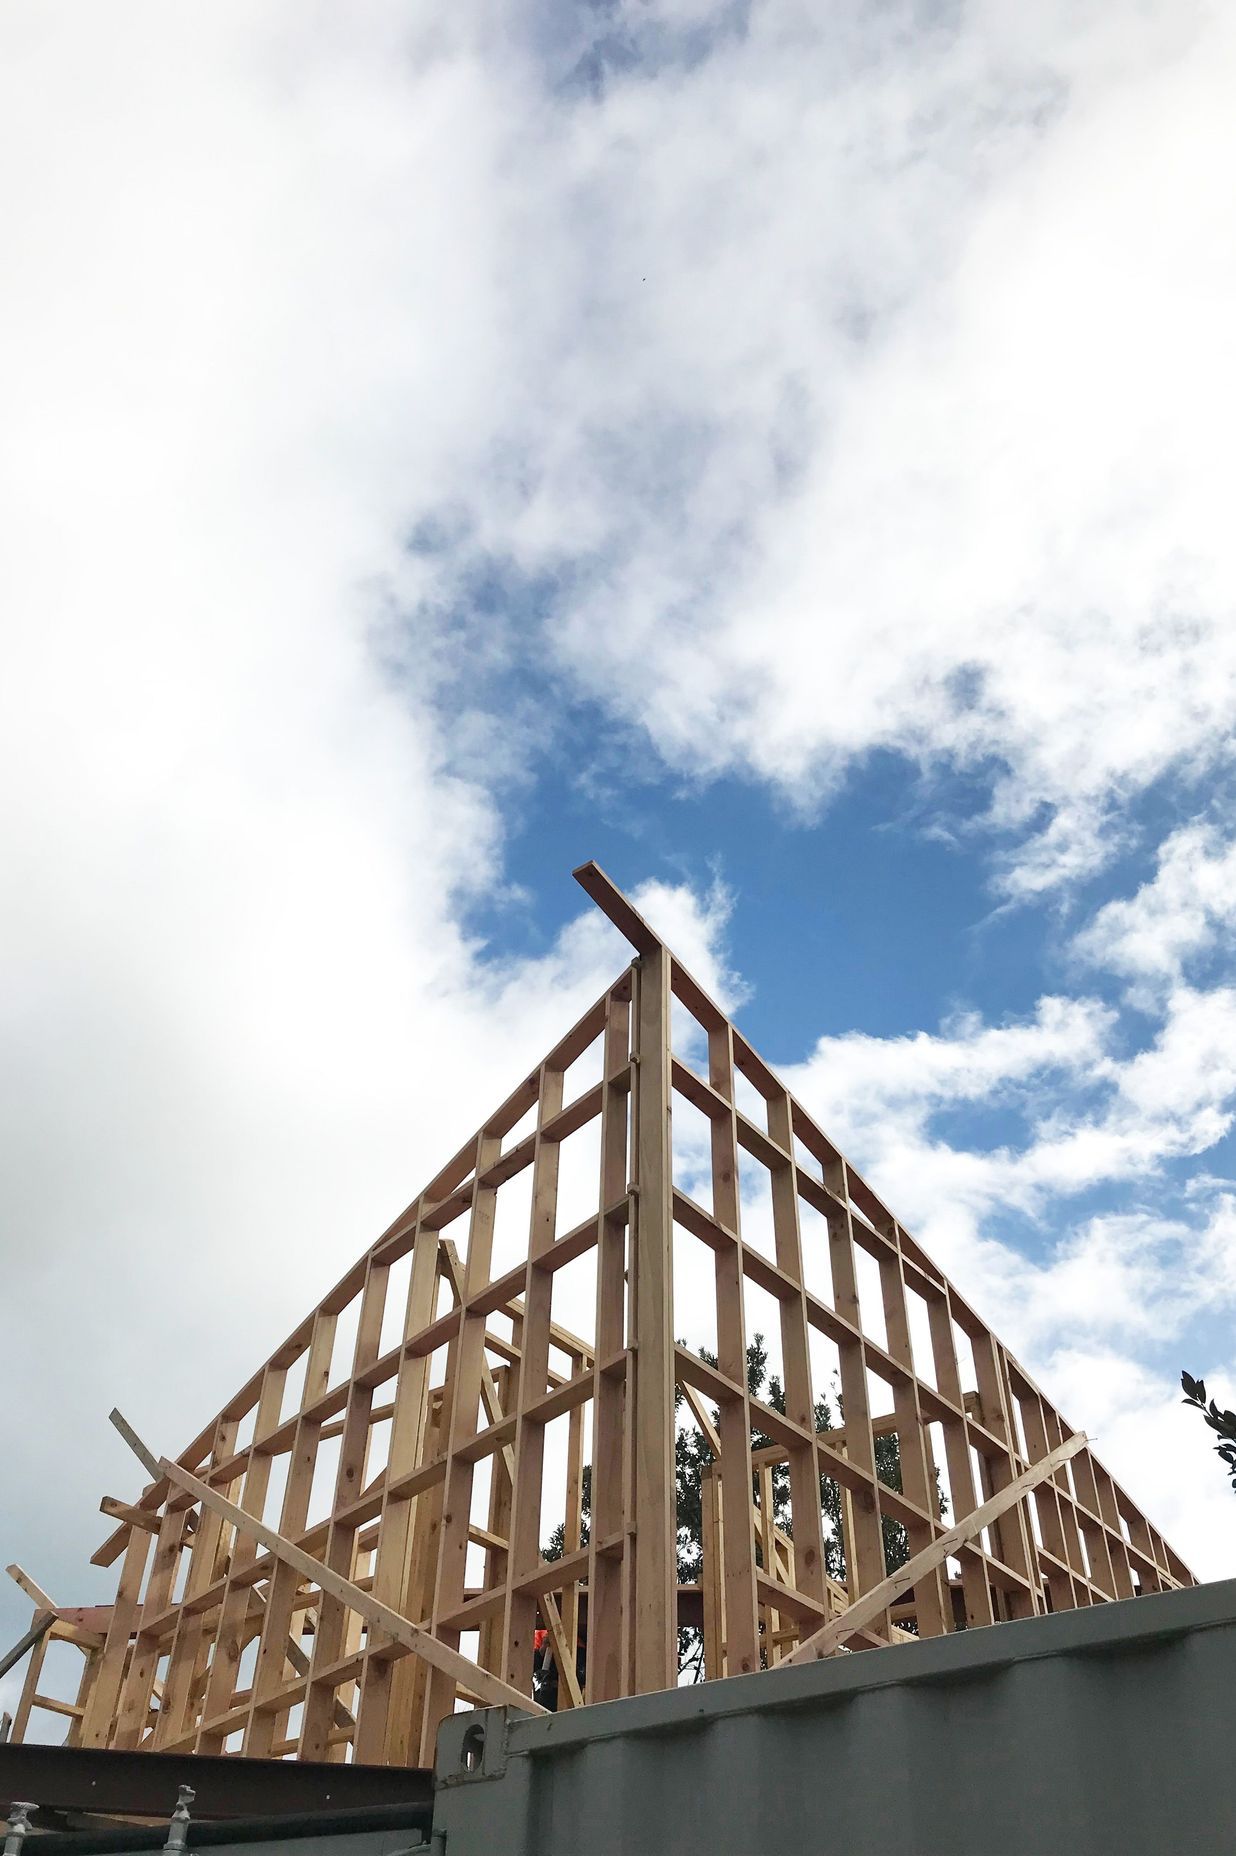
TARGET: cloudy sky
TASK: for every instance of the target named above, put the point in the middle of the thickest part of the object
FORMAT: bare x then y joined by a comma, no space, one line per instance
780,451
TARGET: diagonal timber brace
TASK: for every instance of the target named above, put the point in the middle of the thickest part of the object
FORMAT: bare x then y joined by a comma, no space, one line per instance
477,1681
861,1613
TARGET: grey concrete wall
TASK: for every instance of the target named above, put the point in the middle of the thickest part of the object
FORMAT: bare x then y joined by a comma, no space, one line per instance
395,1841
1107,1730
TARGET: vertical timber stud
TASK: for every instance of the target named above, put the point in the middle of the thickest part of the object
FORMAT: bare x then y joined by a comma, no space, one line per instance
133,1709
742,1628
101,1714
864,1548
525,1540
233,1618
463,1424
607,1573
655,1635
809,1563
975,1587
400,1515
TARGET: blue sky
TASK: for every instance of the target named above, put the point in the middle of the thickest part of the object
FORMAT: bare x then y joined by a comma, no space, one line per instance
783,457
856,919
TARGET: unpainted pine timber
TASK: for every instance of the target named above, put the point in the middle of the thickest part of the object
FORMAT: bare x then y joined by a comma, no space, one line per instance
186,1673
269,1675
519,1607
872,1604
235,1603
1116,1544
1013,1535
932,1602
864,1556
760,1460
410,1680
1060,1582
465,1405
130,1514
1092,1559
409,1737
699,1411
133,1711
555,1621
564,1655
1098,1547
37,1639
1143,1544
608,1575
469,1675
810,1575
548,1604
573,1529
34,1592
398,1520
317,1717
85,1688
611,901
101,1714
42,1623
143,1455
1061,1486
975,1588
501,1492
63,1631
395,1241
710,1573
655,1583
742,1642
768,1553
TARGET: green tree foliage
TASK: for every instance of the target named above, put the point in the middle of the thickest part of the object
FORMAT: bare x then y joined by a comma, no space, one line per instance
555,1547
692,1457
1224,1422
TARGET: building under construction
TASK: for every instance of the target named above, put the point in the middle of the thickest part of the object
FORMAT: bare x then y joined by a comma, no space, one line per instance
464,1459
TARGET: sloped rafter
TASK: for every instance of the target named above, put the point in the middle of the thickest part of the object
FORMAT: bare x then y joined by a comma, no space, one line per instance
422,1468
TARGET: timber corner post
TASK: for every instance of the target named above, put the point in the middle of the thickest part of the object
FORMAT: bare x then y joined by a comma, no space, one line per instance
655,1638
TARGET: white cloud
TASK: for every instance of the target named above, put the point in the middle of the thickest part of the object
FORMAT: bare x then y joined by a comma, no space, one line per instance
901,416
1087,1117
1185,910
834,390
1158,1451
1139,1277
250,334
968,1062
1089,1304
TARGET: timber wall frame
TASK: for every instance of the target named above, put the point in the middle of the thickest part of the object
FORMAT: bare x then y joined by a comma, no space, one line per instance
399,1436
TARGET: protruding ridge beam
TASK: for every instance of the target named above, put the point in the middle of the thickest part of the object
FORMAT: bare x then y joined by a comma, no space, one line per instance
611,901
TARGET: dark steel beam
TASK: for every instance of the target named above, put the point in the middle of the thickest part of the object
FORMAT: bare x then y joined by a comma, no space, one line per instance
101,1779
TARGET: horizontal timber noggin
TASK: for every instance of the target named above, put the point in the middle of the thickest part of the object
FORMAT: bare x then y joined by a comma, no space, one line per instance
356,1545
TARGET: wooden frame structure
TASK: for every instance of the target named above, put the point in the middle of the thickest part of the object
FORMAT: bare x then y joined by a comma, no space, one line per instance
355,1545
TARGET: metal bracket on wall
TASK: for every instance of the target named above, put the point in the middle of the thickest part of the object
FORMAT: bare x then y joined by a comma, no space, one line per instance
473,1746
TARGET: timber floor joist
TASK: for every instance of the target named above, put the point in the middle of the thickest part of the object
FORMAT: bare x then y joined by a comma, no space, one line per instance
356,1545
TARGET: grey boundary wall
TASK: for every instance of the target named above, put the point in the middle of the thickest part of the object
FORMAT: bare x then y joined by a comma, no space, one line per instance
1104,1730
1079,1734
